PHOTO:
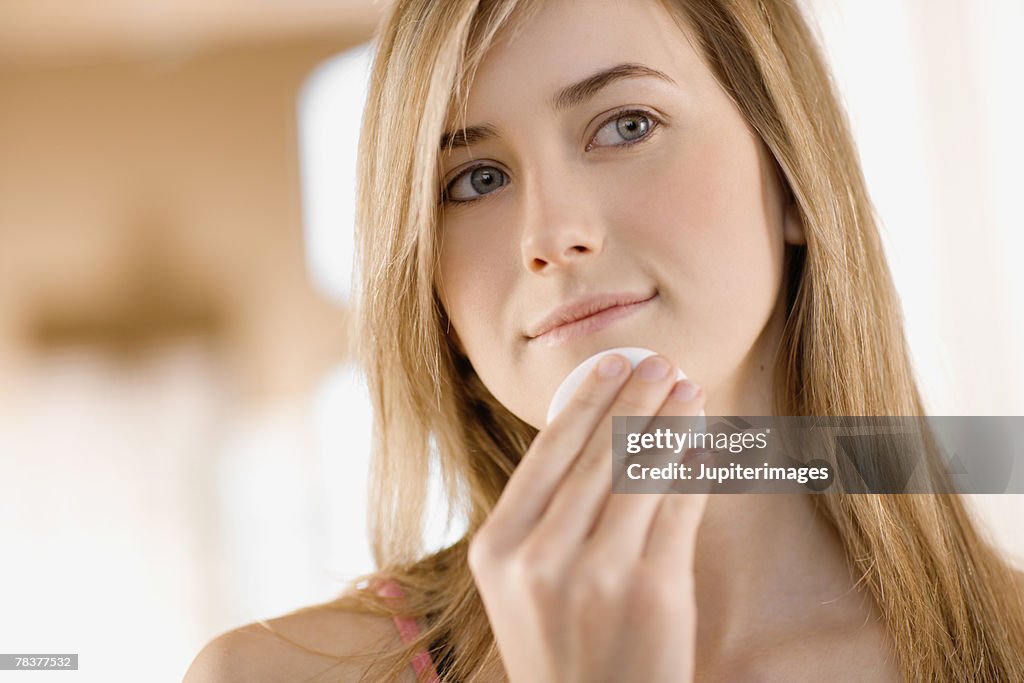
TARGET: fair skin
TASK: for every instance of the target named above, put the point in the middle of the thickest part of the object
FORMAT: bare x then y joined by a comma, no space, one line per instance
694,216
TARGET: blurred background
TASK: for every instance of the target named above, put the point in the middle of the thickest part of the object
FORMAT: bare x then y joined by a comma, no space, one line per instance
183,437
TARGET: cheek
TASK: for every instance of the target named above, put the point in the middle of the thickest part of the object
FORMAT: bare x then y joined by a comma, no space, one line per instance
476,275
705,201
477,271
711,227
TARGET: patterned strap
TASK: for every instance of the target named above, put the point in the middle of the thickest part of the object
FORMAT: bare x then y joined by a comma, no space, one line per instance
409,629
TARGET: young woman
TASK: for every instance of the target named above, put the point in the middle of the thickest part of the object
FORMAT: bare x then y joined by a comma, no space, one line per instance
544,180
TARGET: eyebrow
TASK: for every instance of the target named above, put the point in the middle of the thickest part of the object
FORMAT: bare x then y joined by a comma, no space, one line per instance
566,98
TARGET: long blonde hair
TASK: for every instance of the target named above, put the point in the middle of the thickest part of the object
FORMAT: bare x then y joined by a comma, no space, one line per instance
949,602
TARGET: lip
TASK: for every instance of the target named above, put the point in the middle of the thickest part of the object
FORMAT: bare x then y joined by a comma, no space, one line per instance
586,316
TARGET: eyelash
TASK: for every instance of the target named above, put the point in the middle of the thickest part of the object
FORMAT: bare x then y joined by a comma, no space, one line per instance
655,124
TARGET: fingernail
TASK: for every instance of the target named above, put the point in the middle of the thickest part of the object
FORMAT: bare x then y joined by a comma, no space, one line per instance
610,366
685,390
653,369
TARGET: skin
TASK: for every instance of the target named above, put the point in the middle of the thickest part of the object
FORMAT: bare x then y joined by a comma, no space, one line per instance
694,212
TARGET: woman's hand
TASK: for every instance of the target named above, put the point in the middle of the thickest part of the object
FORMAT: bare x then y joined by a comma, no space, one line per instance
580,585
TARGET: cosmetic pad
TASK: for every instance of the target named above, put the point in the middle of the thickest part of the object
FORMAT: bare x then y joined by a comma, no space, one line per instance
633,354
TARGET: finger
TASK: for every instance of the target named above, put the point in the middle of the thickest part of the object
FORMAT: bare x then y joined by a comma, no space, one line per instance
672,537
530,488
581,495
622,526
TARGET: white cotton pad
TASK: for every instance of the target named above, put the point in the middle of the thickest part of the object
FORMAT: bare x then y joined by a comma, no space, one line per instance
569,385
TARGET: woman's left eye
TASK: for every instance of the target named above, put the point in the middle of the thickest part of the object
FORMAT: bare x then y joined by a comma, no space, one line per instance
625,129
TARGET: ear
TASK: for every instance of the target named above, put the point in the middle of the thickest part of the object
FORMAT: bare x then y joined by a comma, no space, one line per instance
792,219
793,222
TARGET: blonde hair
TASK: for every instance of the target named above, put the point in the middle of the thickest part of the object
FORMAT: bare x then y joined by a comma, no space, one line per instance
949,602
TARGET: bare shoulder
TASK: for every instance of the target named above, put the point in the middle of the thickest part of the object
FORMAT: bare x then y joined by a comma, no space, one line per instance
253,653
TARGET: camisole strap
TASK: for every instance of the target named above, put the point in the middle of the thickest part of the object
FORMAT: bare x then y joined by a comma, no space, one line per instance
408,629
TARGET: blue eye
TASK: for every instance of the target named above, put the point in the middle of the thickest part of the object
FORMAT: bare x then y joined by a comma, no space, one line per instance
480,180
625,129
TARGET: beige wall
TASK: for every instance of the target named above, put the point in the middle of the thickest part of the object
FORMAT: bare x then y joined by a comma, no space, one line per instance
160,340
141,199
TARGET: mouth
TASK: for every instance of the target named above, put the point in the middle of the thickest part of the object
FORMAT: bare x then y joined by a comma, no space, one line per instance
588,324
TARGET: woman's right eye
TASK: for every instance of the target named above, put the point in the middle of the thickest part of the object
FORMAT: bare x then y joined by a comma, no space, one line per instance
474,183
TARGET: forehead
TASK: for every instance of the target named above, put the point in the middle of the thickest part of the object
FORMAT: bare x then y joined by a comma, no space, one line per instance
564,41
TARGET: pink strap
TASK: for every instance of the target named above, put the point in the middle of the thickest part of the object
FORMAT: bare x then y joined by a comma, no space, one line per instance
409,629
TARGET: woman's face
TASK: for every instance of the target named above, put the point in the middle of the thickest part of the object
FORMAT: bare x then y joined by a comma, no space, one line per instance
606,170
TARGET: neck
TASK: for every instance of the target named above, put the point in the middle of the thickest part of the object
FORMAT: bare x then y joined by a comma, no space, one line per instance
766,562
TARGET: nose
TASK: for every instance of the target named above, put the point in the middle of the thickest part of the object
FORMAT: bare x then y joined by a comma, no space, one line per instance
561,227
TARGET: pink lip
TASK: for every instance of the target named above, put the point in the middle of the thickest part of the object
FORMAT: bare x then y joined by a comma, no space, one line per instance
586,317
